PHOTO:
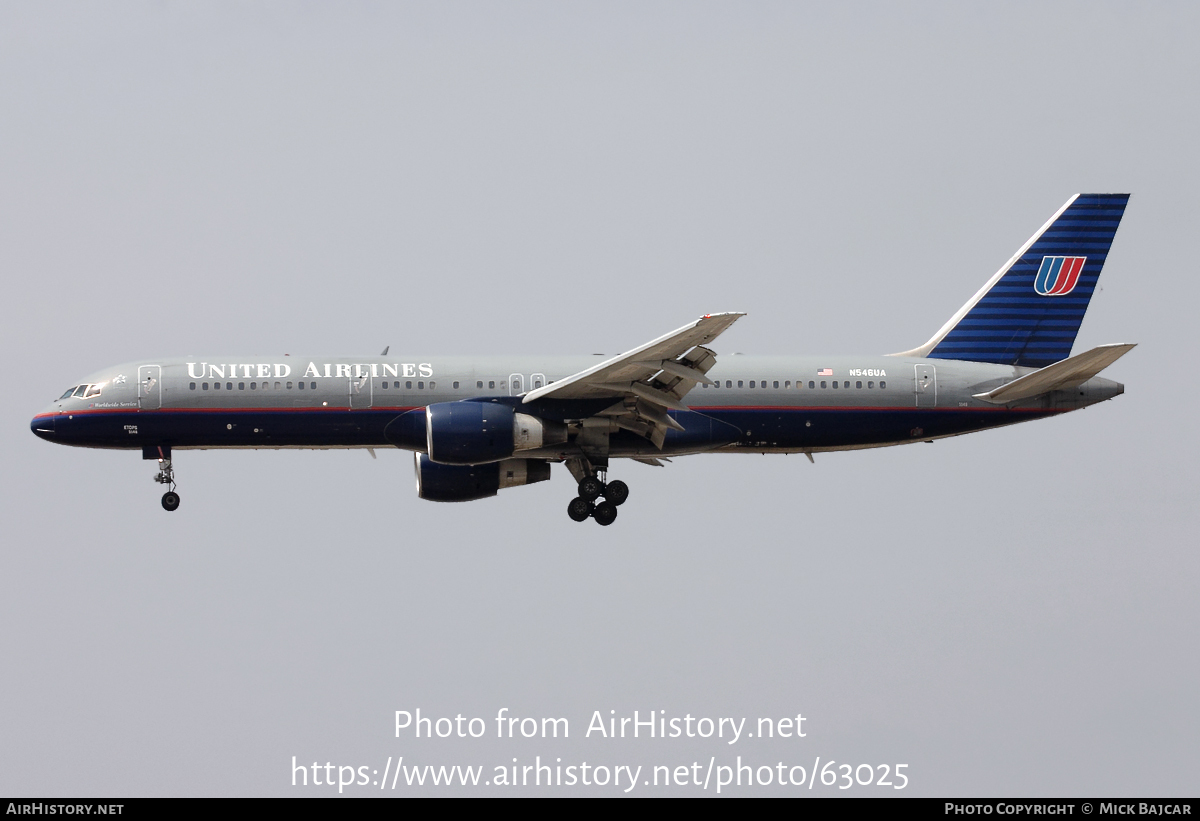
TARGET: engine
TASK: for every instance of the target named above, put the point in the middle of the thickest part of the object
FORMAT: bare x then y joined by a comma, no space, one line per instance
465,483
476,433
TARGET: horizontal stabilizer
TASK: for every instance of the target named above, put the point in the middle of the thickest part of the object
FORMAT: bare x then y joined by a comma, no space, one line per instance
1061,375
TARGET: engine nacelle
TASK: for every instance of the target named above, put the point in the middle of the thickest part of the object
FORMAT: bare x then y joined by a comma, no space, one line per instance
469,433
475,433
465,483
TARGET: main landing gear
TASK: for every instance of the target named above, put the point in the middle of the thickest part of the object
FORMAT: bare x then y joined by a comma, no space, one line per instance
591,488
166,476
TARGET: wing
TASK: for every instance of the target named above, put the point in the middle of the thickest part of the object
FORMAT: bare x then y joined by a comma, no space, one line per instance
649,380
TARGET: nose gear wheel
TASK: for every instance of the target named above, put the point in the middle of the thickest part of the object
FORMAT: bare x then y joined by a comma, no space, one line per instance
166,476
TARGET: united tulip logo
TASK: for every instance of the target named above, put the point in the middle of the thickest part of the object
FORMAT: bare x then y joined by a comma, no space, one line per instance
1058,275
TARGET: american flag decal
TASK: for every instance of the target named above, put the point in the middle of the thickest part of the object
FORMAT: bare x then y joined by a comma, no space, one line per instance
1058,275
825,372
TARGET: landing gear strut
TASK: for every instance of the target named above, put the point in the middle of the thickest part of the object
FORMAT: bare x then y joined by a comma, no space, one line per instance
166,476
591,488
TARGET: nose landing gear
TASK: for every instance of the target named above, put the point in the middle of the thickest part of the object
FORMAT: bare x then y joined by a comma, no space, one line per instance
166,476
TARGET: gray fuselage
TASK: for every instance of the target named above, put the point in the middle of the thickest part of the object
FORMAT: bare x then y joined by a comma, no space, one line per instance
761,403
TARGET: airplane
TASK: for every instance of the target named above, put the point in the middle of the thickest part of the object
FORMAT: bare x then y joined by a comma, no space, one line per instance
478,425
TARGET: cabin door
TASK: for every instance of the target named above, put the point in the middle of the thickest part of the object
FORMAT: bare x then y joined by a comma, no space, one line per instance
926,386
150,387
361,391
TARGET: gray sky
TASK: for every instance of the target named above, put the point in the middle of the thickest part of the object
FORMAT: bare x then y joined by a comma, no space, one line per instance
1008,613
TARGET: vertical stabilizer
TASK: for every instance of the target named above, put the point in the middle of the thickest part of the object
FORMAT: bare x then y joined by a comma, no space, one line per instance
1029,313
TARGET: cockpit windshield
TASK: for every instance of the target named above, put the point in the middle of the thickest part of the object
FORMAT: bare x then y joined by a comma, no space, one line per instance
82,391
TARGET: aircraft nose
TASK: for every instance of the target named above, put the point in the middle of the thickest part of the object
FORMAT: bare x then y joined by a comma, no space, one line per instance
43,425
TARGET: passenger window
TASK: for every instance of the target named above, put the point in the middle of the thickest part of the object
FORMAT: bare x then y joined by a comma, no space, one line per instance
751,383
204,385
788,384
289,386
704,386
229,386
491,383
479,384
870,385
312,386
728,383
776,383
455,386
739,383
276,386
834,384
216,386
822,384
191,386
384,385
846,384
811,386
501,384
858,384
408,385
882,384
396,385
242,386
432,385
253,386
